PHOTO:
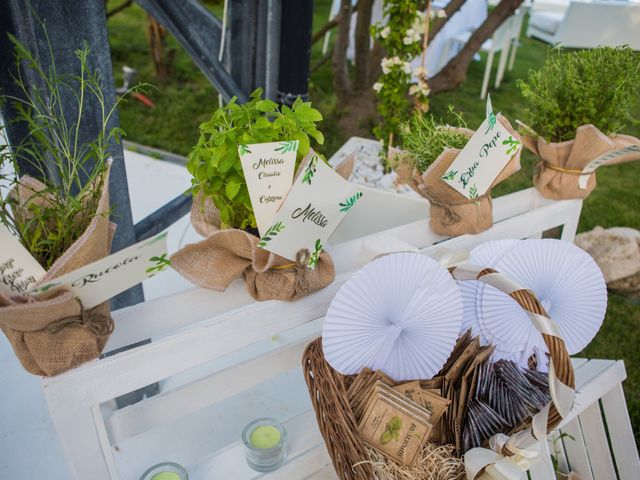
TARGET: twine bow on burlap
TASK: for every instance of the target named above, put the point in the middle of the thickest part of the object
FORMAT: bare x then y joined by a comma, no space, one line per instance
451,213
92,320
300,268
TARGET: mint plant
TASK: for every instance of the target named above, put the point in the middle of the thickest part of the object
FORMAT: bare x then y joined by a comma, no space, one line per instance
215,163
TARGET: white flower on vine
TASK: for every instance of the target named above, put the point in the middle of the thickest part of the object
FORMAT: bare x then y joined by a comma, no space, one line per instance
420,72
378,86
388,63
412,36
385,32
440,13
413,89
407,67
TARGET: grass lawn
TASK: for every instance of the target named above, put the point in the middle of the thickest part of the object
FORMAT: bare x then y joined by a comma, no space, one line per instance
187,99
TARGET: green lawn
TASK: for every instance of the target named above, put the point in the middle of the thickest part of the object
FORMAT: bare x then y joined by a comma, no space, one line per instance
187,99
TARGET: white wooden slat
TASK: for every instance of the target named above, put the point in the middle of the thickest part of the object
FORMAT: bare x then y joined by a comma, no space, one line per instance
169,406
325,474
595,439
542,470
315,463
621,434
578,362
303,438
576,450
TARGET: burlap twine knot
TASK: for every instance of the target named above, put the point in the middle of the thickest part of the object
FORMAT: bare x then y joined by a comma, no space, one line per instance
300,268
561,163
94,321
450,215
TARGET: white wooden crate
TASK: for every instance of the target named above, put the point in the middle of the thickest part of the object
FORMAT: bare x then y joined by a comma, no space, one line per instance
223,359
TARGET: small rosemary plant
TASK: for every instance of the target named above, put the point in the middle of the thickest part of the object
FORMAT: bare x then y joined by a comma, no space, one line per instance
72,171
597,86
425,138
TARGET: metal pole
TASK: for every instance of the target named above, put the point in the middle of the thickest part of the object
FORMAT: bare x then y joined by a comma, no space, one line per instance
68,25
295,50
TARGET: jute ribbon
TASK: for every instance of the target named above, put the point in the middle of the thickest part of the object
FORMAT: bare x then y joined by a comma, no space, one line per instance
300,267
451,216
509,457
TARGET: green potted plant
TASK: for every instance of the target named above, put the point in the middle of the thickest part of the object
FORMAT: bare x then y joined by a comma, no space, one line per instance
215,164
576,106
430,147
63,223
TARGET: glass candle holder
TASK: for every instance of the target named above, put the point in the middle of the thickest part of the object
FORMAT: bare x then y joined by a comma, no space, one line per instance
165,471
265,443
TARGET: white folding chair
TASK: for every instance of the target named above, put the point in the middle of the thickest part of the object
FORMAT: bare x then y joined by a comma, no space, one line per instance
516,32
499,42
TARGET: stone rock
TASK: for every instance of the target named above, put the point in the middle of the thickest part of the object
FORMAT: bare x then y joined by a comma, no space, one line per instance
616,251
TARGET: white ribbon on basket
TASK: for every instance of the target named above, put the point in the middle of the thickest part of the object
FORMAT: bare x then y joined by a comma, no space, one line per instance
529,446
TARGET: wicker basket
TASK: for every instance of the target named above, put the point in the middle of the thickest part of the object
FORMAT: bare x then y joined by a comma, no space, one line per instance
328,388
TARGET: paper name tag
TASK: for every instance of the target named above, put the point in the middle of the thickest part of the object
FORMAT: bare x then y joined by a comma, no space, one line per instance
482,159
109,276
631,151
268,170
313,209
19,271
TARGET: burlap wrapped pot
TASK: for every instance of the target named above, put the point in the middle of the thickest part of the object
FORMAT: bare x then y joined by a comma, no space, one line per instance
227,254
560,167
450,212
53,333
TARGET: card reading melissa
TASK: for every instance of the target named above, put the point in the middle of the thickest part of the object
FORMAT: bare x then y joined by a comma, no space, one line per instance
19,271
482,159
268,170
104,279
316,204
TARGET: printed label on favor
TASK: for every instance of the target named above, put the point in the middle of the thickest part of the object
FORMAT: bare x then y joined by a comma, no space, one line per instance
482,159
104,279
268,170
19,271
313,209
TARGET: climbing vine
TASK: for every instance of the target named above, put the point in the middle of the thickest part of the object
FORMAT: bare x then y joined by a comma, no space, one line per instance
401,38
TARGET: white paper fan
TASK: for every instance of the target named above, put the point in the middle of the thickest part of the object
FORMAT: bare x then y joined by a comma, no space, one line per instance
484,255
400,314
567,282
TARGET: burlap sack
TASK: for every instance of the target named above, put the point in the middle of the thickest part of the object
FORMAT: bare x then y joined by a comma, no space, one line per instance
560,165
225,255
450,212
53,333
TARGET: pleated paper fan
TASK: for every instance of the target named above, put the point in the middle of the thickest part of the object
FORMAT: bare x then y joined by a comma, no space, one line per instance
484,255
568,283
400,314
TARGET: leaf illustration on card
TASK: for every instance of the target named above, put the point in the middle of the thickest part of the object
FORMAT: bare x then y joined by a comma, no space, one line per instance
46,287
492,122
315,256
243,149
310,170
473,191
288,146
159,264
350,202
273,230
450,175
512,144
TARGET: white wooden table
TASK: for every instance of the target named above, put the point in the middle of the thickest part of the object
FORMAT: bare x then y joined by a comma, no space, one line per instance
223,360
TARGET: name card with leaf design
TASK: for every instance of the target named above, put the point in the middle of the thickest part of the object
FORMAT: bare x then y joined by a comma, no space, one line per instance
316,204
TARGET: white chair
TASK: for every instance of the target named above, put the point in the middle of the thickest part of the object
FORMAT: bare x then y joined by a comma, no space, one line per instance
499,42
586,24
515,34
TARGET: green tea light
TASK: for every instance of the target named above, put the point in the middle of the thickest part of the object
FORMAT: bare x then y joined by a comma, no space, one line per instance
265,444
166,471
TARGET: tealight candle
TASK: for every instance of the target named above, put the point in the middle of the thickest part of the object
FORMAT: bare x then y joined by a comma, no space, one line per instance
165,471
265,444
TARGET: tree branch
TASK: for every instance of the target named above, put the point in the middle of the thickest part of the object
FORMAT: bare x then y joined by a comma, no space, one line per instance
341,82
362,44
454,72
119,8
451,9
330,25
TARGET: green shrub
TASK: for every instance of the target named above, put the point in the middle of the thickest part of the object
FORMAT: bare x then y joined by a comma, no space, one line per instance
425,138
597,86
215,164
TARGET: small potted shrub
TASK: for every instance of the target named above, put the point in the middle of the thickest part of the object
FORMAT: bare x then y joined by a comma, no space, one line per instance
429,149
576,105
222,210
64,224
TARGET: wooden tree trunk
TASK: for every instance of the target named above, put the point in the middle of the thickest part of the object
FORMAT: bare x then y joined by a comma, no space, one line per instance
452,7
341,81
454,72
363,44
